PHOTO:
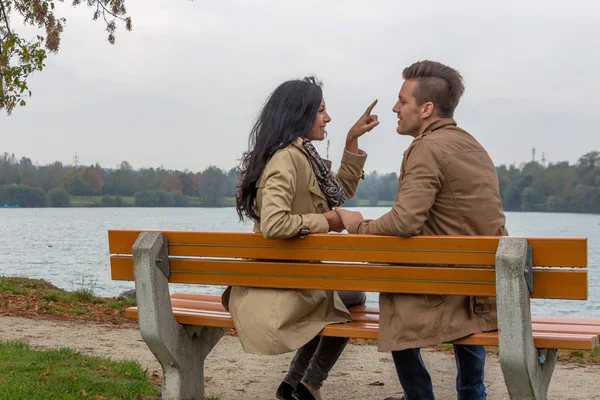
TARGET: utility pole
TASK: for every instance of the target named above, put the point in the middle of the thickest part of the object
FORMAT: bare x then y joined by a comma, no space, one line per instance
533,154
543,159
76,160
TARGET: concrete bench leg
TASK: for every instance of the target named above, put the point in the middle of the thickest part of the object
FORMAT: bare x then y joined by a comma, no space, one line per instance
527,370
180,349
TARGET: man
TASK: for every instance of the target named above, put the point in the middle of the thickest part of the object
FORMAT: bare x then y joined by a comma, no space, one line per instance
448,186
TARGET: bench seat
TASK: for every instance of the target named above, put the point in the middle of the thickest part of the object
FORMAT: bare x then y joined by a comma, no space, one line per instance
548,332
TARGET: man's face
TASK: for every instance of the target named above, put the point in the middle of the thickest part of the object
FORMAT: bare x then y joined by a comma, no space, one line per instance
408,111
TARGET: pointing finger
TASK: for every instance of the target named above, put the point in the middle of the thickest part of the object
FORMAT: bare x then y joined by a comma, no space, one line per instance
370,108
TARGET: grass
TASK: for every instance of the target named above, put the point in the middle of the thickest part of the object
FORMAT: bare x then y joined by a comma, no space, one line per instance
93,201
33,297
27,373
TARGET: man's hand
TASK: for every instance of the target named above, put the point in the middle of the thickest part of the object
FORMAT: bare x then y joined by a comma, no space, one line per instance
349,217
334,220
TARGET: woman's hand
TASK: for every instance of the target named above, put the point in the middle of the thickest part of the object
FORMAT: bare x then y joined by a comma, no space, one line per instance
365,123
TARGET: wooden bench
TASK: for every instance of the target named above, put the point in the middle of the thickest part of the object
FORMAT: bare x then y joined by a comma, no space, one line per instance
183,328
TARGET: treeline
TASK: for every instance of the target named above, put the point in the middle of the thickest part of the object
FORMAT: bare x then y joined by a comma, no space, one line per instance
557,187
27,185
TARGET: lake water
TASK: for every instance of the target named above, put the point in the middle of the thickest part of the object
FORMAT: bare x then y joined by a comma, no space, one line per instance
69,247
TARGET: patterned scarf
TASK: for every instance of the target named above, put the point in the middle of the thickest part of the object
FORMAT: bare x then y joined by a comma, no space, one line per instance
329,185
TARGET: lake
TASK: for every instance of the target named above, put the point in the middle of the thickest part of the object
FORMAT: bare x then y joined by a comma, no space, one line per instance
69,247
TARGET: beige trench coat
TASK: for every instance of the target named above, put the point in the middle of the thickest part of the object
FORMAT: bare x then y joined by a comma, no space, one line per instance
275,321
448,186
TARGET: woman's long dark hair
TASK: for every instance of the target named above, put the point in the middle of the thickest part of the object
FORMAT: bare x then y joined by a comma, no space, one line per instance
288,113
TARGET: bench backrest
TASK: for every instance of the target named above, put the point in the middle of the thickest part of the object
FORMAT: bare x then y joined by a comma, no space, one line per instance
424,265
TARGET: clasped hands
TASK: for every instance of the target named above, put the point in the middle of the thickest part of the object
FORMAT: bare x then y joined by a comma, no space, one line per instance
340,219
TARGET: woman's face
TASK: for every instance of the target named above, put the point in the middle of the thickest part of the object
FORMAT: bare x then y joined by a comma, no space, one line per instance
318,130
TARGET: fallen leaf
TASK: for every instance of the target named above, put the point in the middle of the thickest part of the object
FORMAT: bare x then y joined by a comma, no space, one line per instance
84,393
102,367
46,372
73,378
98,397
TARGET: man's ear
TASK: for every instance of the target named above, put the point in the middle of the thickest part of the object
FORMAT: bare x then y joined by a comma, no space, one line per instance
427,110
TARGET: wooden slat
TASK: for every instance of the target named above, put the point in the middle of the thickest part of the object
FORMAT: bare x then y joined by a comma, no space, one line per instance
549,283
197,305
461,250
541,340
565,328
566,320
369,330
197,296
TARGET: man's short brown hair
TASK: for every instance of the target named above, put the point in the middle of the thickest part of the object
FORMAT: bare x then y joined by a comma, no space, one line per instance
437,83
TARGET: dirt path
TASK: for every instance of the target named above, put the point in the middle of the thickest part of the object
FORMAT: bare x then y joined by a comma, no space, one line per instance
361,372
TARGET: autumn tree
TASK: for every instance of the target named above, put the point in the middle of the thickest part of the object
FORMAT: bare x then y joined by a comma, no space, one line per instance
22,56
171,183
93,176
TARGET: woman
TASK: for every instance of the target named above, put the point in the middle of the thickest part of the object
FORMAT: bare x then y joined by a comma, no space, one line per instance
289,191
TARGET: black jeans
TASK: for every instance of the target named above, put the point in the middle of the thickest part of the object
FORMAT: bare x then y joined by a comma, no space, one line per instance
313,361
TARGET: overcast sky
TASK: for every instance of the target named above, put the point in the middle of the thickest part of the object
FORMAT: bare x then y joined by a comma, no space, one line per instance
183,88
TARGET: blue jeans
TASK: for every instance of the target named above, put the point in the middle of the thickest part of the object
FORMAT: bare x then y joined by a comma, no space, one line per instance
416,382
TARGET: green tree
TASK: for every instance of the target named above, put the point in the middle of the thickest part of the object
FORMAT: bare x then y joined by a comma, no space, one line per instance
22,196
52,175
59,197
75,184
556,204
125,182
212,186
21,56
189,183
107,201
8,172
